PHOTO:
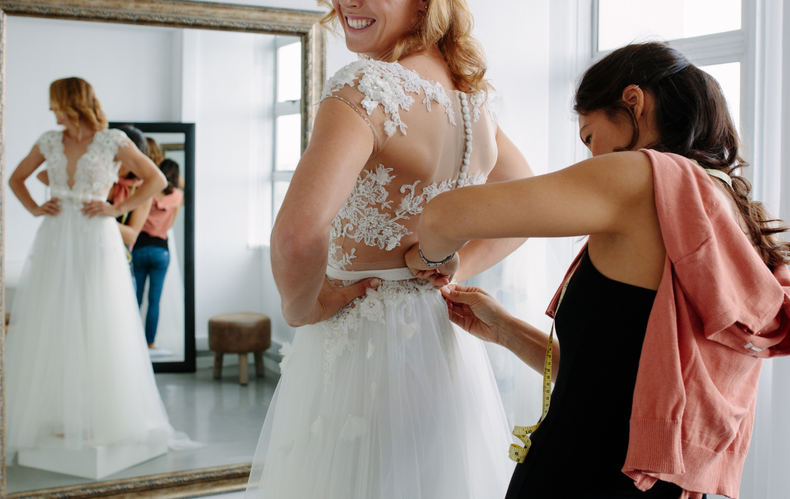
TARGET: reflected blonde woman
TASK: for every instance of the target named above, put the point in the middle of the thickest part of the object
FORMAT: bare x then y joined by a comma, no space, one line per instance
77,365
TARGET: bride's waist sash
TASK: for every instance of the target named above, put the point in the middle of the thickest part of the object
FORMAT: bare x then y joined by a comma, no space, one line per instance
68,197
398,288
400,274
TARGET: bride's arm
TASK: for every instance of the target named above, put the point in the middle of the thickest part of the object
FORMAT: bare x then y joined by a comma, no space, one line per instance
16,182
340,146
141,165
145,169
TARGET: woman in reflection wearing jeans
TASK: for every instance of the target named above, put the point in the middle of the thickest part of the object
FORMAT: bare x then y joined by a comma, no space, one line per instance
151,256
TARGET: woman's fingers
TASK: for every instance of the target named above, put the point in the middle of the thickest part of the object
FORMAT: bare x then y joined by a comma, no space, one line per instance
51,208
332,297
460,294
450,267
95,208
474,303
439,280
354,291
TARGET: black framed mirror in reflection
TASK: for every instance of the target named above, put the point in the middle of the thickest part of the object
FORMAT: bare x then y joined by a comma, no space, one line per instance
160,240
227,112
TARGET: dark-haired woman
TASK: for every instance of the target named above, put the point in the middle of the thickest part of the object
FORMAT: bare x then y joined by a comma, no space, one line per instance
151,257
668,310
130,224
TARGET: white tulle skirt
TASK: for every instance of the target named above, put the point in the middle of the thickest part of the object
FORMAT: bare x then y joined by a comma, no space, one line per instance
387,400
77,365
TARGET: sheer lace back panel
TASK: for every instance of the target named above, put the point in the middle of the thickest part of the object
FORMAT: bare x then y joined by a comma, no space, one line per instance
419,147
96,170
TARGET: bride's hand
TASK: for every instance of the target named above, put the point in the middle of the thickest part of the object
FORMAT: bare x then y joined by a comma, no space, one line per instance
99,208
51,208
476,311
332,298
438,276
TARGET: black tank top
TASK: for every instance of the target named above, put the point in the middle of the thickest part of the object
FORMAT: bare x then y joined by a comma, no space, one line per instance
580,447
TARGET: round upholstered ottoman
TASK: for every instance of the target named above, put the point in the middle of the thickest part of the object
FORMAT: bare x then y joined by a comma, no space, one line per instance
239,333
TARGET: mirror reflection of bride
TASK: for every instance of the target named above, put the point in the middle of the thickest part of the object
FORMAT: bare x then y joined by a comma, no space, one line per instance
78,370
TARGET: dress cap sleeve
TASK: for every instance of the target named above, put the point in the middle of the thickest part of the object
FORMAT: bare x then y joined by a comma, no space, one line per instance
379,91
117,138
346,85
48,141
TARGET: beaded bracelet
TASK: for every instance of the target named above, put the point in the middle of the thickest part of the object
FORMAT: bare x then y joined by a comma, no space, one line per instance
433,264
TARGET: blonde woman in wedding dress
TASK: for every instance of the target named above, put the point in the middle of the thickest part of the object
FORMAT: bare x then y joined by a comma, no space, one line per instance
77,367
384,398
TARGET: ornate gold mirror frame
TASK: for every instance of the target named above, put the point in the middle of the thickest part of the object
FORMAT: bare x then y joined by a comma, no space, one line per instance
174,14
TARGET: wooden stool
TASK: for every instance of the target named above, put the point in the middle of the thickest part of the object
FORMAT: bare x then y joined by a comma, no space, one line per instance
240,333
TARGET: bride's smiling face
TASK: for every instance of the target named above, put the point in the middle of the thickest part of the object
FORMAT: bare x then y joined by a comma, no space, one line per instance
373,27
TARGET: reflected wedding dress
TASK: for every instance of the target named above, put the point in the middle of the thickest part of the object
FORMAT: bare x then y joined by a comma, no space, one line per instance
77,368
388,399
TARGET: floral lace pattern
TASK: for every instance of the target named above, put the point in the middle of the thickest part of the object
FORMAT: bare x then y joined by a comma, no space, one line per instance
372,307
96,170
477,100
361,218
370,215
388,84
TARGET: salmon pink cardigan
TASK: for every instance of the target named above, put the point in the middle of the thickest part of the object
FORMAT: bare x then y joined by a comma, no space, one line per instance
718,311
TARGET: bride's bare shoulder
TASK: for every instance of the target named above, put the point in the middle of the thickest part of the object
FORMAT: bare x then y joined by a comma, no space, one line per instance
430,66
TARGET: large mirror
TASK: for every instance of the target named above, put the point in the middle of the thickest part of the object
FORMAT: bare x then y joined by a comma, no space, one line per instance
170,327
227,94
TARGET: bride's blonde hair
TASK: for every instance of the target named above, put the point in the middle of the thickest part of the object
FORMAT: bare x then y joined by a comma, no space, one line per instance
448,25
76,98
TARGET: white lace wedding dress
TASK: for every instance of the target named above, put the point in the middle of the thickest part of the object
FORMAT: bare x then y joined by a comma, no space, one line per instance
77,366
388,399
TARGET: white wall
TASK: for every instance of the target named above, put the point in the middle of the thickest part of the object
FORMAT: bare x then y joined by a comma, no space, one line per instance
224,83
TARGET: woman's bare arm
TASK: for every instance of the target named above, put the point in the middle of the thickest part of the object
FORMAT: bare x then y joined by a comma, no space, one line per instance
16,182
137,219
139,164
603,195
339,148
479,313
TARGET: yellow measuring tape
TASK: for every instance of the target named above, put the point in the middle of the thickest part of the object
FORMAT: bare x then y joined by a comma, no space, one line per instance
518,453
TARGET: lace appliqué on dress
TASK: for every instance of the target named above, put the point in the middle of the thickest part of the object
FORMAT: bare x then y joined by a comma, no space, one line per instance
360,217
51,147
388,84
369,215
479,99
339,329
96,170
